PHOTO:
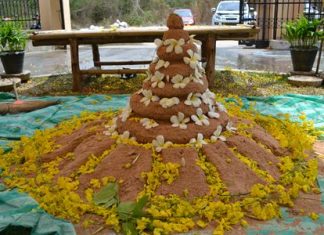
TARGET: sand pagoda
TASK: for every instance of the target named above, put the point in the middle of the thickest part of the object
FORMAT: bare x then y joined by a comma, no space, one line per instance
197,163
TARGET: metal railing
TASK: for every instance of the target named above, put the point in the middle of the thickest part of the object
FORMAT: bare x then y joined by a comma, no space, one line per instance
26,12
271,15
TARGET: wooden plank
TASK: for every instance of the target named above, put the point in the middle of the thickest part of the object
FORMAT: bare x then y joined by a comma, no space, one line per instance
112,71
76,74
209,54
95,55
98,63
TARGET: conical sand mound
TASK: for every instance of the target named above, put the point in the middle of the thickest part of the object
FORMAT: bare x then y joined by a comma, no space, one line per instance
195,162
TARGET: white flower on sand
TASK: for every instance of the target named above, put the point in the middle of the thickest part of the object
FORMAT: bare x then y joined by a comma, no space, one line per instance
125,114
212,112
230,127
157,80
208,97
179,81
111,128
148,123
193,60
217,135
221,107
193,99
148,76
169,102
179,121
198,74
162,64
158,42
196,79
175,45
200,118
126,135
192,40
155,60
148,97
199,142
160,144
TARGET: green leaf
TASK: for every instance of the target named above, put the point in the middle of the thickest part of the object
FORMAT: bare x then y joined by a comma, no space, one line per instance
138,210
125,210
129,228
107,196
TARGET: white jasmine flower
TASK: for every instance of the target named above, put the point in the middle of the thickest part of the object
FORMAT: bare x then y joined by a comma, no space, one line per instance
169,102
193,60
198,76
221,107
196,79
217,135
148,76
208,97
161,64
125,114
157,80
126,135
175,45
193,99
155,59
139,91
158,42
212,112
148,123
179,82
192,40
199,142
148,97
111,127
200,119
179,121
230,127
160,144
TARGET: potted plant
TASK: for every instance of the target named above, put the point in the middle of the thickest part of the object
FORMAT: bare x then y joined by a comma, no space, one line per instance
303,36
12,45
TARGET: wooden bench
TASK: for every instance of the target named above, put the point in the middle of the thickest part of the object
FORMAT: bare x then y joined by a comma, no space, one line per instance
206,34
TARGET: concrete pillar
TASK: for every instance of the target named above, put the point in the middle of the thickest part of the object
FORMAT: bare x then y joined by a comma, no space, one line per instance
52,15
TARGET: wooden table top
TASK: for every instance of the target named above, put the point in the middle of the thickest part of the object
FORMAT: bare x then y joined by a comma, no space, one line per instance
226,31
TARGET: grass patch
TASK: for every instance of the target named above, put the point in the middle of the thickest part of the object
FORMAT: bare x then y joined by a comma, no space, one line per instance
227,82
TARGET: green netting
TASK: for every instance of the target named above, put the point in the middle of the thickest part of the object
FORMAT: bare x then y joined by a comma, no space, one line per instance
20,214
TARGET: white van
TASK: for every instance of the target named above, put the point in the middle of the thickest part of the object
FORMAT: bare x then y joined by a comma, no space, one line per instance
228,12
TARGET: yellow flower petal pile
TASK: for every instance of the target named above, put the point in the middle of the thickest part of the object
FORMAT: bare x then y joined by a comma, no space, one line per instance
22,168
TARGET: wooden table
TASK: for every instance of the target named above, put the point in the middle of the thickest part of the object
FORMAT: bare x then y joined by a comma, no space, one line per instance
206,34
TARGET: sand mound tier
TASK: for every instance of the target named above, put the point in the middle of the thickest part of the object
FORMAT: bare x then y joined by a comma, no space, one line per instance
175,96
169,91
172,56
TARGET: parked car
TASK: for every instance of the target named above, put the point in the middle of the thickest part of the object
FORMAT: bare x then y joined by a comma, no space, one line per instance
310,11
186,15
228,12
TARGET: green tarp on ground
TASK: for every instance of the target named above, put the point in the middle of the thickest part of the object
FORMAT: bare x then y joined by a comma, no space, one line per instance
19,212
12,127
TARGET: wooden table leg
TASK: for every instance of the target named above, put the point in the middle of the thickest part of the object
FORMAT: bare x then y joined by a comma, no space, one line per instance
208,51
74,48
96,55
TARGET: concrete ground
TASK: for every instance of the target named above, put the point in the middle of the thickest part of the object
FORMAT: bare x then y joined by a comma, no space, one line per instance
47,61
